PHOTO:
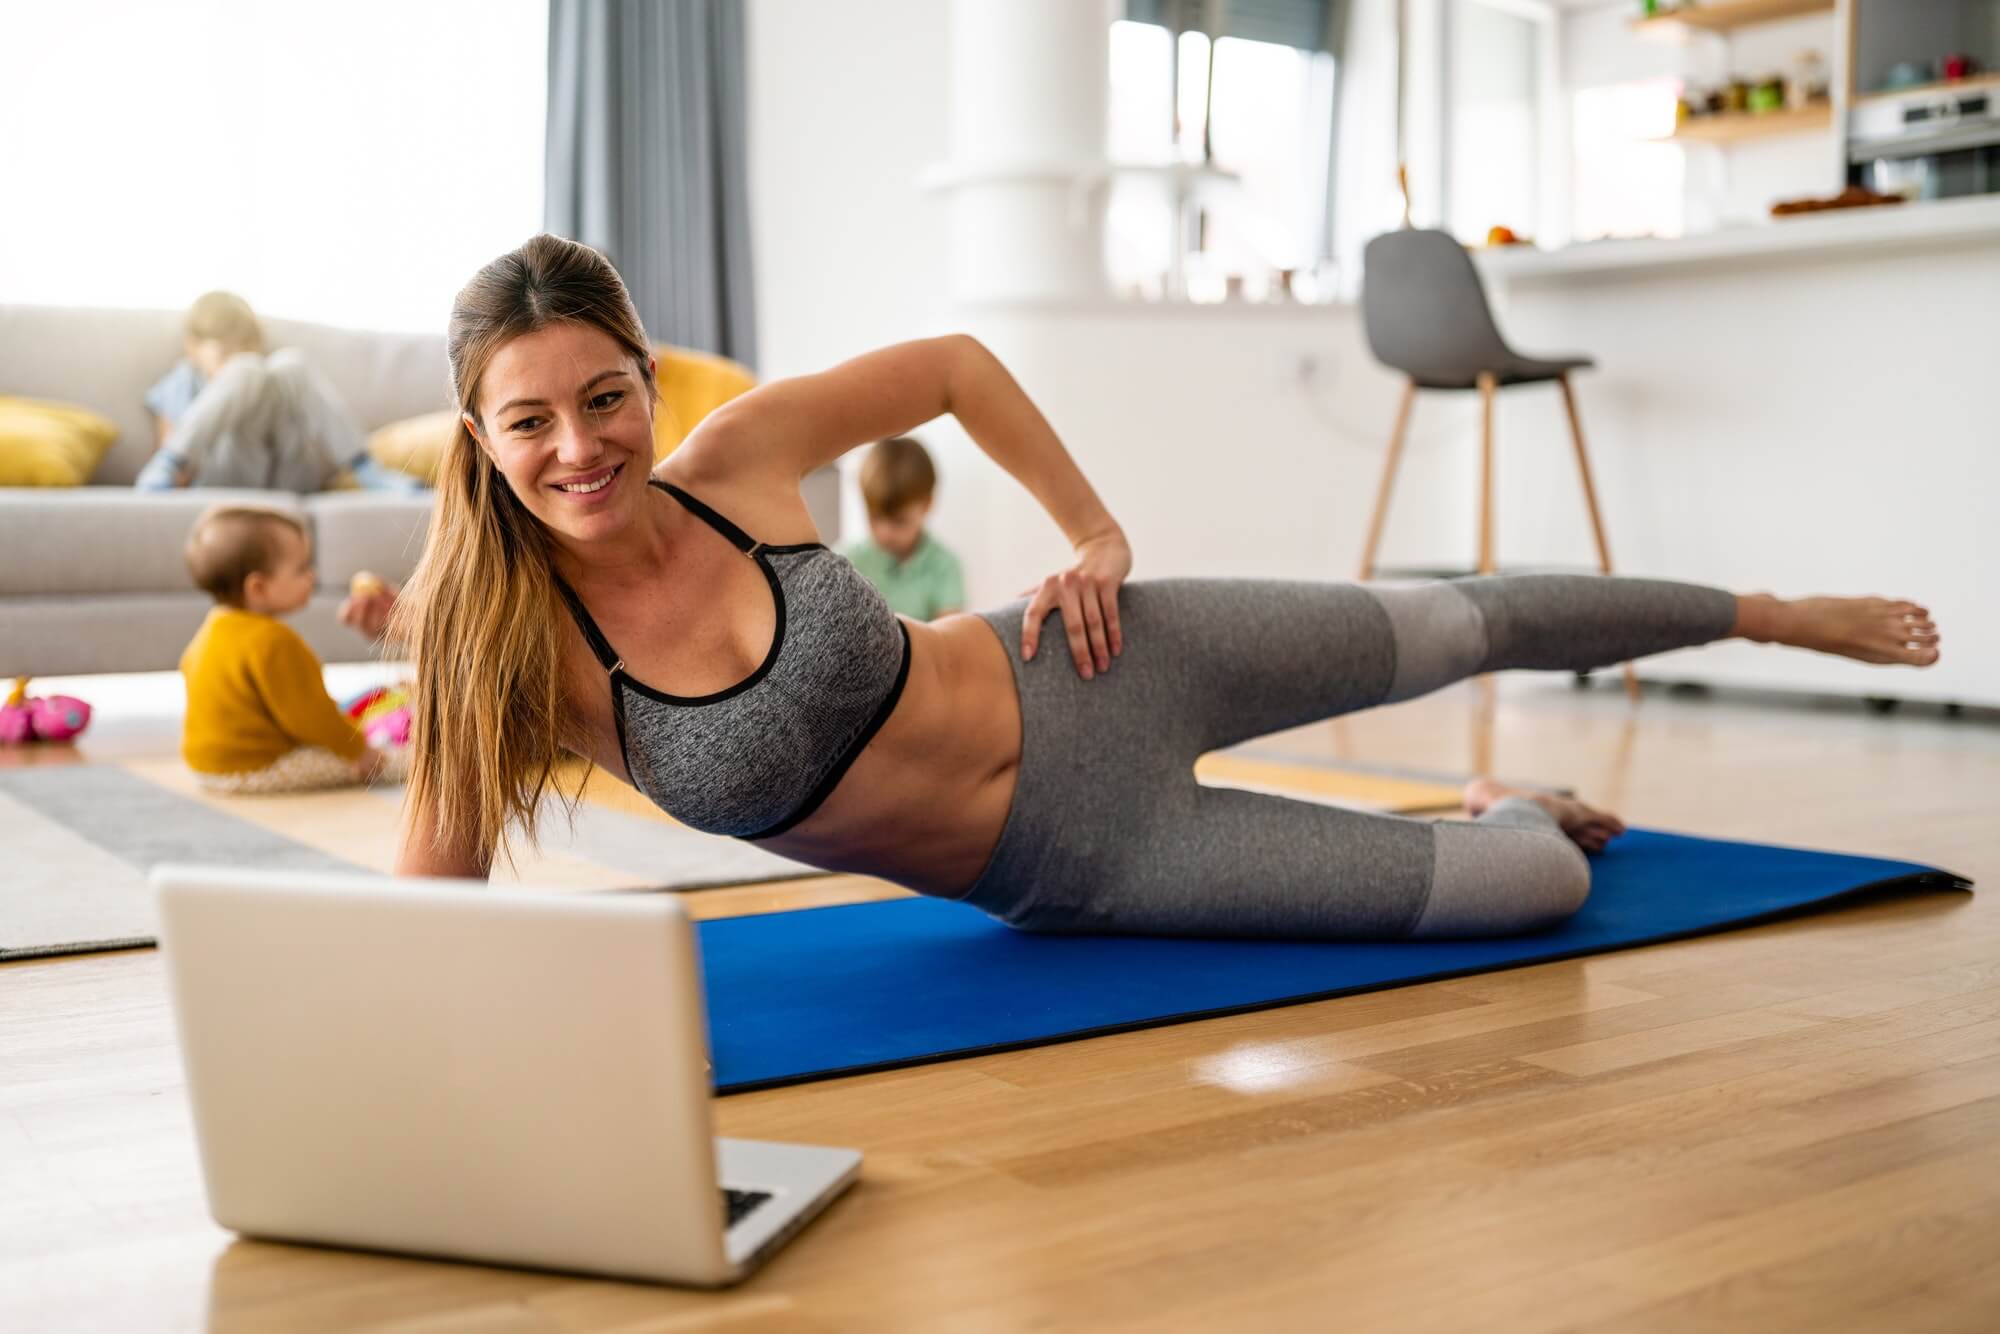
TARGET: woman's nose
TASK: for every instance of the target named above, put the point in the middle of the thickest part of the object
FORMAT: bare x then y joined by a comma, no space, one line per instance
577,443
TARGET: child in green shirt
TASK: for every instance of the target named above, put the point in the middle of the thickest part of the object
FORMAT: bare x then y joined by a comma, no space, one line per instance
916,574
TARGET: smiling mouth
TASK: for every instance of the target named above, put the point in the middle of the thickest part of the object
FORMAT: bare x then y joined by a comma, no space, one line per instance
590,487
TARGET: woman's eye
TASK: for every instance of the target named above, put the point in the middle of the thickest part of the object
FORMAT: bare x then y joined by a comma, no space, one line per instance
526,424
607,400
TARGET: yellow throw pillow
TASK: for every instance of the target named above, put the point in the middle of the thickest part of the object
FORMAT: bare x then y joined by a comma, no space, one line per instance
692,385
50,444
414,445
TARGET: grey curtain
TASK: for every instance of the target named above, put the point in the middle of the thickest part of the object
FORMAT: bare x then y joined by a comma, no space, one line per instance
1310,25
647,159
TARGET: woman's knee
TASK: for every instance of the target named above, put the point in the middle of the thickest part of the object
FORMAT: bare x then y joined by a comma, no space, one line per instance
1440,636
1496,881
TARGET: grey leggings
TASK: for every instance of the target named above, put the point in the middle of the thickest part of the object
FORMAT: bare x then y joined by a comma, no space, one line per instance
1109,832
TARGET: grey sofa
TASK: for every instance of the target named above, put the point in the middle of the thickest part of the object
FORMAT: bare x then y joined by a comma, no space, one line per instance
91,578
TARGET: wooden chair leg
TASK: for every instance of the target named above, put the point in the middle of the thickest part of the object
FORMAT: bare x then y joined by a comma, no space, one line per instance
1487,385
1381,515
1590,501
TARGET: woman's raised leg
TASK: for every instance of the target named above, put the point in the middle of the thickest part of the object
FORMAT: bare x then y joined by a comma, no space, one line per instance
1242,658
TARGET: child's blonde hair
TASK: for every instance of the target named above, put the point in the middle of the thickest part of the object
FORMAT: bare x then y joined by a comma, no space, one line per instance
896,472
229,543
226,318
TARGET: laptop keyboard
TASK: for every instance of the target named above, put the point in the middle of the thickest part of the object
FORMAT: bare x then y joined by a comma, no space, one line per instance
737,1204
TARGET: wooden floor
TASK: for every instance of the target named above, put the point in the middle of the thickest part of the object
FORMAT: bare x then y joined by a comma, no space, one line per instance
1792,1127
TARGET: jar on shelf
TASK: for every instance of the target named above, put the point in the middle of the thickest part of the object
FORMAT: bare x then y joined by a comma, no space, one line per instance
1810,83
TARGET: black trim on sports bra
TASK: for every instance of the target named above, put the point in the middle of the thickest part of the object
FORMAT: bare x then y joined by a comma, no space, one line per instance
620,678
592,636
853,752
607,656
742,540
763,668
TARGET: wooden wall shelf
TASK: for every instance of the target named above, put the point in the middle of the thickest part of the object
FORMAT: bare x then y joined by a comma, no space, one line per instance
1722,15
1730,127
1975,83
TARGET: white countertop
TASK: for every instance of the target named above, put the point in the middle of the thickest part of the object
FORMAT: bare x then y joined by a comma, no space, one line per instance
1974,219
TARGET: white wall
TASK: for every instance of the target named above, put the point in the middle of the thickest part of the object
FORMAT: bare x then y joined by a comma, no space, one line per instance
1229,441
1218,452
1725,183
847,105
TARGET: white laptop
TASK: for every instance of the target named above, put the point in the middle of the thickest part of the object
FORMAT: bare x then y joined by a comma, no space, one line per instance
446,1069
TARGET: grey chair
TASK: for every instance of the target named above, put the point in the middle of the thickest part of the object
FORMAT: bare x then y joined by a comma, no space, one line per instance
1426,315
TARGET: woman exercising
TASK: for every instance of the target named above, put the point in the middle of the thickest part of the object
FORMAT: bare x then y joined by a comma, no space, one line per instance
682,627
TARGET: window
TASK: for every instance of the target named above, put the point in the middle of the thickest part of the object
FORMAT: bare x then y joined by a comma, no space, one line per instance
350,163
1627,182
1224,146
1494,168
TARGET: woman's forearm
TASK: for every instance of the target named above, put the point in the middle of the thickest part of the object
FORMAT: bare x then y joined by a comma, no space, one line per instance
1005,423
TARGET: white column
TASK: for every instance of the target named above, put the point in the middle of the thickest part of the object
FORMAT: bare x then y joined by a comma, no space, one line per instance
1026,177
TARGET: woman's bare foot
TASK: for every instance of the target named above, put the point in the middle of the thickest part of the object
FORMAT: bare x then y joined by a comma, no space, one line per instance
1880,630
1588,827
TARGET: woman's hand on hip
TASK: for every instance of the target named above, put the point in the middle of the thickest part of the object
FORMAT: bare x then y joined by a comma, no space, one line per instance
1087,596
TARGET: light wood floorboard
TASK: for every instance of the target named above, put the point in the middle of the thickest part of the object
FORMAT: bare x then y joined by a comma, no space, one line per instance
1795,1126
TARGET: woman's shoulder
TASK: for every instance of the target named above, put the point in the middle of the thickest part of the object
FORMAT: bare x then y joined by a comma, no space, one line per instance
763,502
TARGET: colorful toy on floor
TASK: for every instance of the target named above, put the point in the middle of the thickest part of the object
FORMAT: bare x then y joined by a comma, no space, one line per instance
382,714
25,718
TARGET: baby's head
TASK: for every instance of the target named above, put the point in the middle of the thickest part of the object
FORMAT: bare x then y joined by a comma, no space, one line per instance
220,325
898,482
256,559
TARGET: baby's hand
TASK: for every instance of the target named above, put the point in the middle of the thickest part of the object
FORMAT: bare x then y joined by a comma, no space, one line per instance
367,605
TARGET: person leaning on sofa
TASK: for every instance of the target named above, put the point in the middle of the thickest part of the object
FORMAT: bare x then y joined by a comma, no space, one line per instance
229,415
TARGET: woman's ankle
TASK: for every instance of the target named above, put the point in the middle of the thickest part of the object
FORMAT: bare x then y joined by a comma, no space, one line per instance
1758,617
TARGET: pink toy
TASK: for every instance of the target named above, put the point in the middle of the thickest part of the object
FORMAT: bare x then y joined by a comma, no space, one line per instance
382,714
56,718
16,725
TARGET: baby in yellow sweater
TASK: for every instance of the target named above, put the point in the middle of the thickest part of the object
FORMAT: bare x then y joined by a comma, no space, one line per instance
258,715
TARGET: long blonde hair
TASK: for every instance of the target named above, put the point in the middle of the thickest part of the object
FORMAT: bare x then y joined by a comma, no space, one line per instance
482,611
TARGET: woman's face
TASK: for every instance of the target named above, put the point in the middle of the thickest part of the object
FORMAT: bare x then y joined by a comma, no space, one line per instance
566,418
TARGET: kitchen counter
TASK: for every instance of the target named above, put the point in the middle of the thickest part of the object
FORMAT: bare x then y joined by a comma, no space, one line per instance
1974,219
1806,407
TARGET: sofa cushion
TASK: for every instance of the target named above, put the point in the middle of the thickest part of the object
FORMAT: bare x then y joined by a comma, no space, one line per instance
142,632
103,539
50,444
691,385
415,444
366,530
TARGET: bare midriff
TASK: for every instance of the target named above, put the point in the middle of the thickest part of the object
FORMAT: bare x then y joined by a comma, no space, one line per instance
923,805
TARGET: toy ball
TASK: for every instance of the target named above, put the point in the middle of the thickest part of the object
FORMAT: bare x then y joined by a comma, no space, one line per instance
58,717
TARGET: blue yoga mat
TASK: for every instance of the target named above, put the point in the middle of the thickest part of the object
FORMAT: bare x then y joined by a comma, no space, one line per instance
821,992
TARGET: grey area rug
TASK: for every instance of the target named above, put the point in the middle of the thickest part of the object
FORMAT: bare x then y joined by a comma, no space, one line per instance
80,839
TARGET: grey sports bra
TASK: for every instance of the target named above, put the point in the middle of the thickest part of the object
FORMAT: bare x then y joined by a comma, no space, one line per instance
755,759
